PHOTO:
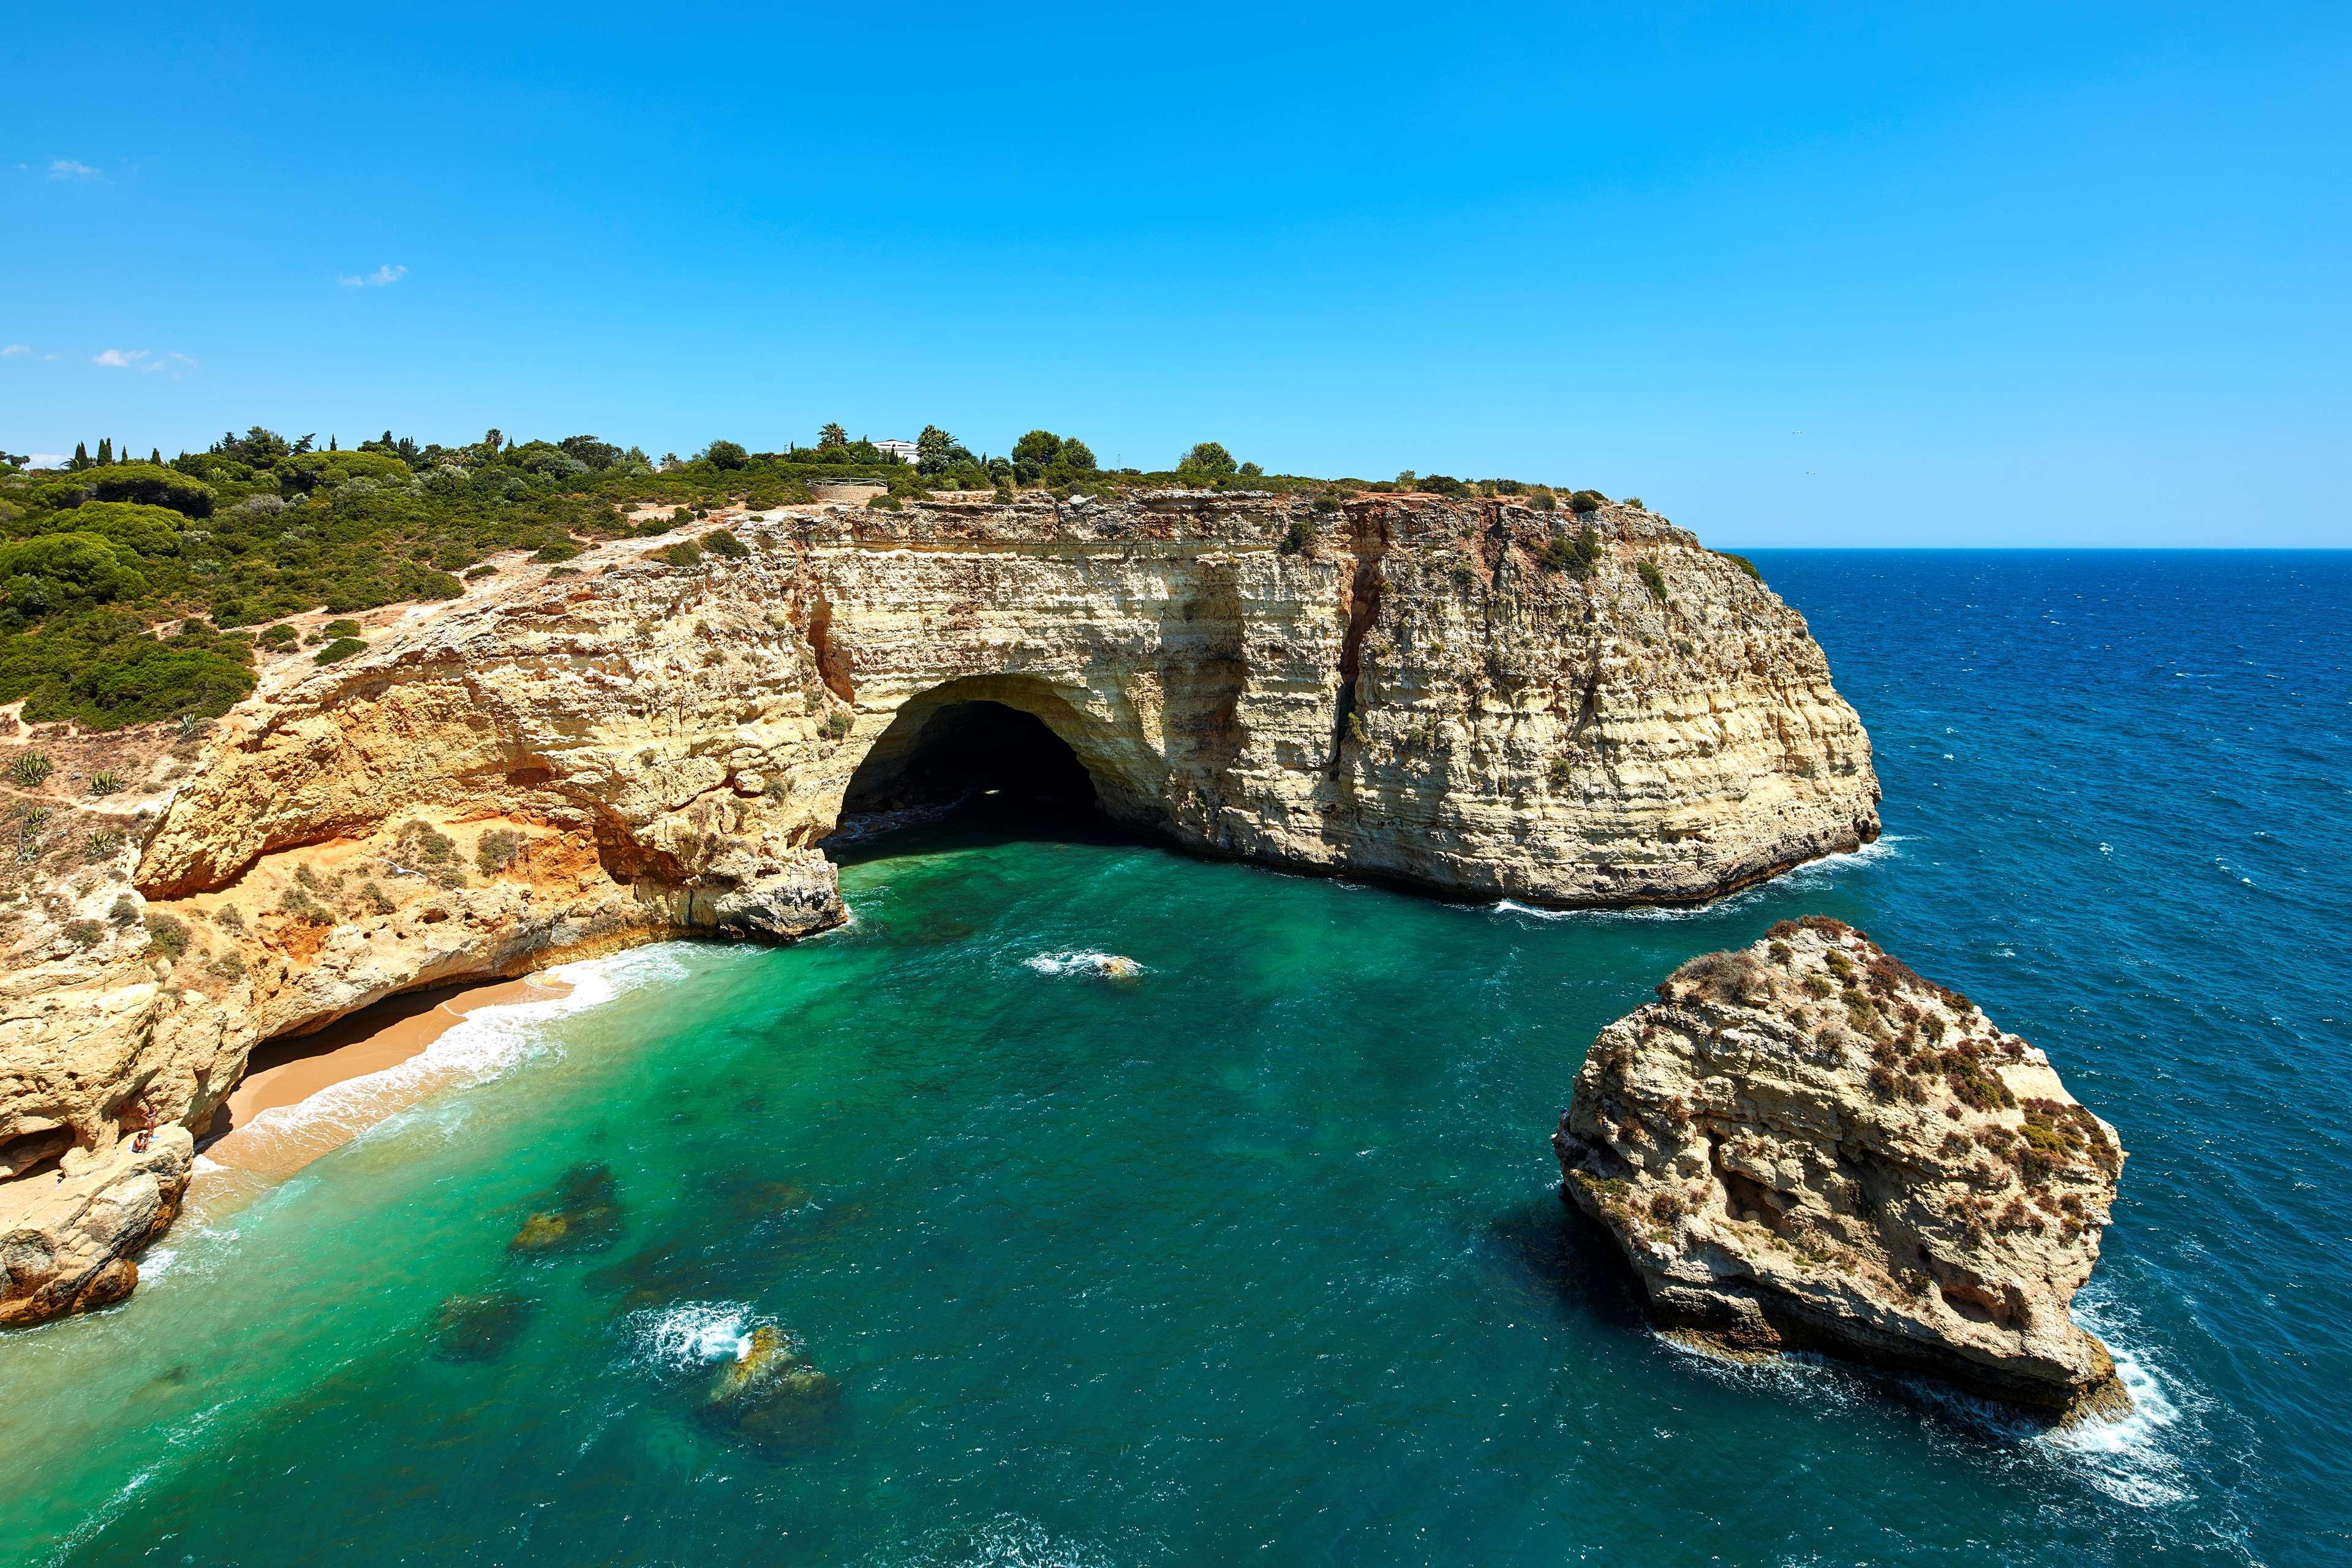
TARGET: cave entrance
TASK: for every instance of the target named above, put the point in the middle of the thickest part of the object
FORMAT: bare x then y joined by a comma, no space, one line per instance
970,763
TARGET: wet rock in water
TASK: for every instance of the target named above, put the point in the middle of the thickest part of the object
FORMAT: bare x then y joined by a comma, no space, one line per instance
772,1392
1115,966
480,1328
1805,1145
583,1214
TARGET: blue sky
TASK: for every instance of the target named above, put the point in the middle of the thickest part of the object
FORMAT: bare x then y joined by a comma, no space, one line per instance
2036,275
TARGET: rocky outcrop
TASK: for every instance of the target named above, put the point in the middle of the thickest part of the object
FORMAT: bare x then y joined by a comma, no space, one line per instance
621,748
69,1244
1803,1144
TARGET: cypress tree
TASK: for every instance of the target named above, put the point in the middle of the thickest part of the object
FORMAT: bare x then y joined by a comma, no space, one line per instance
105,450
82,455
155,454
330,443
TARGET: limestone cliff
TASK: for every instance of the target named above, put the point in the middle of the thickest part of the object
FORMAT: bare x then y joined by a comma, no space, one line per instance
621,748
1805,1144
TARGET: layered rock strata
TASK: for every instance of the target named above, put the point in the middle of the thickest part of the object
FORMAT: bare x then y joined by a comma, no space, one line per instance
623,747
1802,1144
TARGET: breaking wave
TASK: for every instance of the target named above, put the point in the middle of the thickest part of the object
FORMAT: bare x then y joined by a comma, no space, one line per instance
685,1336
1083,962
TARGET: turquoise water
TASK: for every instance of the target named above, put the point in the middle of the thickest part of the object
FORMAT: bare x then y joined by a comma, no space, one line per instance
1258,1254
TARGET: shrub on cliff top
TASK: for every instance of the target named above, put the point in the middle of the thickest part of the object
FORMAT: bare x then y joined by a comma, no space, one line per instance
339,650
1587,500
1653,579
1741,562
1207,460
722,542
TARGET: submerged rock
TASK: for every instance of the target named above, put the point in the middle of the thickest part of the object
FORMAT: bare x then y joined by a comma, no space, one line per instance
584,1214
772,1392
1805,1145
480,1328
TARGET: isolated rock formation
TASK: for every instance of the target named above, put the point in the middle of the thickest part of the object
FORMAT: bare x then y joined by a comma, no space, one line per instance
622,748
1803,1144
69,1246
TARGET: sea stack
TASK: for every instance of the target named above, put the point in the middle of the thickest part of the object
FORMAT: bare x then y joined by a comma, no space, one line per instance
1802,1144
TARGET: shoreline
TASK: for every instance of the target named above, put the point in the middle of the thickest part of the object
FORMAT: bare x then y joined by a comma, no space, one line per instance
303,1098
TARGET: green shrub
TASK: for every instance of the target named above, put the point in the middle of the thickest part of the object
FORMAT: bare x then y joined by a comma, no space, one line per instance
102,844
728,454
837,724
722,542
339,650
1587,501
106,781
685,552
1653,579
1573,556
339,629
152,485
1327,504
1742,561
166,935
562,549
882,503
496,849
1299,538
476,574
420,842
28,770
84,933
281,635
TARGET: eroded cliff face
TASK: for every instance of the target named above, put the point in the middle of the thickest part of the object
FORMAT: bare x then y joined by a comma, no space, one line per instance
1803,1144
631,749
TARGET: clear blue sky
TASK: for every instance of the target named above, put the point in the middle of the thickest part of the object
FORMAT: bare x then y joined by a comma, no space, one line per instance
2032,275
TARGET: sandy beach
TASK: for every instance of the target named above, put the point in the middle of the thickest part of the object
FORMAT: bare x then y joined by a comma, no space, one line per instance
294,1077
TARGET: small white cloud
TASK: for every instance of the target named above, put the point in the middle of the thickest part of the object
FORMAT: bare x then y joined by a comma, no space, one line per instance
13,350
45,460
118,359
387,273
72,169
173,366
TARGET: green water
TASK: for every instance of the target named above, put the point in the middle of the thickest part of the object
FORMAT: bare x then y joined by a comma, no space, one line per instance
1258,1254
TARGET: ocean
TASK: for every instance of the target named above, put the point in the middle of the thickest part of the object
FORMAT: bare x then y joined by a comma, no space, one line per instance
1257,1254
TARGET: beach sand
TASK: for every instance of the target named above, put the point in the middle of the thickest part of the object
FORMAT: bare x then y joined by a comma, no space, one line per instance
294,1077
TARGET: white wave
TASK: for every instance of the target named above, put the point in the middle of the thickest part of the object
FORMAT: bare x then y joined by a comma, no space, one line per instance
1810,874
483,1045
1083,962
1008,1541
688,1335
2133,1458
101,1516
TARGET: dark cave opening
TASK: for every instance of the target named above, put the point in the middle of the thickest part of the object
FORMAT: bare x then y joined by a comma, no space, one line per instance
975,757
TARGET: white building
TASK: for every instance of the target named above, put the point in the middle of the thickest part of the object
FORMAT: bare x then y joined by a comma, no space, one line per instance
903,450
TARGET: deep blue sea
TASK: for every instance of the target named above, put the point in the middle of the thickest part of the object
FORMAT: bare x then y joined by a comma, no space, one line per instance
1258,1255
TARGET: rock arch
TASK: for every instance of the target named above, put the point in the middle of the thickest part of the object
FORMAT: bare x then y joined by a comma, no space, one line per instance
1107,741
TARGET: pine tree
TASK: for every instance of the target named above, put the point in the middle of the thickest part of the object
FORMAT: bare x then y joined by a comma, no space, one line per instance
155,454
